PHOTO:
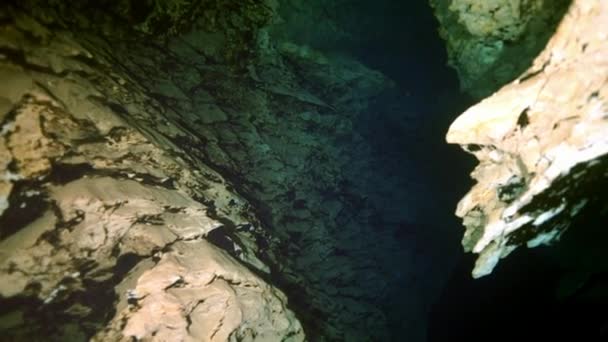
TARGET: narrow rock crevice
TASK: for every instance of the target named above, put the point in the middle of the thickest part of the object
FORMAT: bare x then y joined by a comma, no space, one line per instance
276,170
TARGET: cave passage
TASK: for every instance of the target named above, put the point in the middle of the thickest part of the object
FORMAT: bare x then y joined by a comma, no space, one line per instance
403,172
411,180
308,139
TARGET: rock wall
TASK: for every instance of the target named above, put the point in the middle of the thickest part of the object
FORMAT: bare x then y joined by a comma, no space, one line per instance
140,138
542,146
490,43
108,223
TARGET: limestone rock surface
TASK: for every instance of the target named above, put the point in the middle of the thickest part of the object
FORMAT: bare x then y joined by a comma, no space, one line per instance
541,142
491,42
197,292
107,227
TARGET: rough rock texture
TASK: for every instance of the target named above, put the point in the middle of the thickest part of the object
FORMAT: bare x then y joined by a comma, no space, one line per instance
137,134
542,143
106,223
196,292
491,42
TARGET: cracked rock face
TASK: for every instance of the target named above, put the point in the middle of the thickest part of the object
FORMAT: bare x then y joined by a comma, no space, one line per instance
106,225
541,142
140,139
141,136
491,42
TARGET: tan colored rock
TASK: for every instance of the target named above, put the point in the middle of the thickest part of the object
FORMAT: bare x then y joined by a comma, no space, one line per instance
97,199
31,150
538,140
196,292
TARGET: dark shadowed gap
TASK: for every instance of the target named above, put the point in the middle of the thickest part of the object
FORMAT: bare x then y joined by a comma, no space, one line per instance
411,132
549,293
412,178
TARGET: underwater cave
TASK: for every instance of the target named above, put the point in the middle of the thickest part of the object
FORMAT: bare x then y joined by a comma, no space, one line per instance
277,170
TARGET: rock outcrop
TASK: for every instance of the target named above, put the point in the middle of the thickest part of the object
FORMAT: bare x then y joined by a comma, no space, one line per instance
542,146
490,43
140,138
107,226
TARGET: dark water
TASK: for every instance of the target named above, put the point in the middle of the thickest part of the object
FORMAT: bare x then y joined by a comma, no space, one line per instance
416,179
423,178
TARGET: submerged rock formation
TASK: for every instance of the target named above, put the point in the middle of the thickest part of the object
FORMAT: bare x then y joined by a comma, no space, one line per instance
542,146
107,225
199,170
491,42
167,166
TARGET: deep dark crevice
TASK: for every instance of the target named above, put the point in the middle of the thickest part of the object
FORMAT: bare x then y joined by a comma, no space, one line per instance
219,237
27,204
406,128
74,315
224,238
63,173
523,120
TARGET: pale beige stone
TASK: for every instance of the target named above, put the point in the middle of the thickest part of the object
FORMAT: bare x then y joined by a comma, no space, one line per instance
537,131
197,292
